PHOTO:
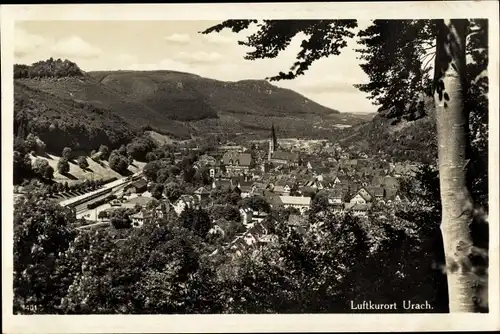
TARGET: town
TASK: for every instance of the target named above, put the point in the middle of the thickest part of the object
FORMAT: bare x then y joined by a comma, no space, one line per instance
194,171
287,176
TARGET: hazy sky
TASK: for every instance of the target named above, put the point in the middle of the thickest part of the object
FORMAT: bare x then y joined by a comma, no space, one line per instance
177,45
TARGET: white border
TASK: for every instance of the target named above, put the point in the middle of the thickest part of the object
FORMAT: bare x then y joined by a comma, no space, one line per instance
247,323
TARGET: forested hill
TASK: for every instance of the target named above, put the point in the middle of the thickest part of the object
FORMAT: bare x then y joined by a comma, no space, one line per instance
189,97
399,139
173,103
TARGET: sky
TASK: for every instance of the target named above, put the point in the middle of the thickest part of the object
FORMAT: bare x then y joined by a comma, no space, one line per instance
178,46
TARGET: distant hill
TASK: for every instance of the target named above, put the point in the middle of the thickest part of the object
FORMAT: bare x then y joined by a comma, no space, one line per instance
188,97
179,105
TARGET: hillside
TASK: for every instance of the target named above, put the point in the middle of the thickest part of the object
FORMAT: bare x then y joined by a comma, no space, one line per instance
246,107
64,122
191,97
179,105
95,171
400,140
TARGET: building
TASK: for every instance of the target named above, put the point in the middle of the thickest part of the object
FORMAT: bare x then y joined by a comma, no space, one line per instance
184,202
315,182
285,158
138,187
277,157
230,148
237,163
358,209
301,203
360,198
138,219
202,194
207,160
246,216
377,193
273,143
336,196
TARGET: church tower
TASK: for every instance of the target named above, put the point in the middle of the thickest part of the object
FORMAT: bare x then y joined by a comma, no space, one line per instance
273,143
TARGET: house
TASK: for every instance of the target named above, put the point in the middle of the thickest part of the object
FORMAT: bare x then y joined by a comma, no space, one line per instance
202,194
358,209
222,184
281,190
361,197
314,183
377,192
237,162
137,187
365,194
184,202
207,160
313,165
231,148
273,199
133,202
345,155
391,186
138,219
341,179
336,196
301,203
259,216
162,209
285,158
337,207
246,215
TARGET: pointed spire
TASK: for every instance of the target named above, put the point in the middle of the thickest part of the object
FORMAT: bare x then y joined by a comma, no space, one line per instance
273,137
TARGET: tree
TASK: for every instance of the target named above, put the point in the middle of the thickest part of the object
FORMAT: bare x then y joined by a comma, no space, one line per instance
151,156
319,203
118,163
30,142
42,232
408,73
172,191
63,166
123,150
121,222
157,190
22,167
188,174
196,220
67,153
103,214
454,154
42,168
150,170
82,162
104,150
140,147
257,203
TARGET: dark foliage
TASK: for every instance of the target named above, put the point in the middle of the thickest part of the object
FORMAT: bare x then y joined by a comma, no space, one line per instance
48,69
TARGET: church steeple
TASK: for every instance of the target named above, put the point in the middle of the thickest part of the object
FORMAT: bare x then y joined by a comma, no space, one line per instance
273,143
273,138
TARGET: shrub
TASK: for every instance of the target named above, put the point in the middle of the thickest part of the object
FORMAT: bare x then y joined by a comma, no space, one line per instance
63,166
82,162
67,153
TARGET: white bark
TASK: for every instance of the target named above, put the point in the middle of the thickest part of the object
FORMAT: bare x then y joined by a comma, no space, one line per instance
452,130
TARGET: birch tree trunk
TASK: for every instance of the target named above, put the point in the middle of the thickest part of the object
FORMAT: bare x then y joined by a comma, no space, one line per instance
453,149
